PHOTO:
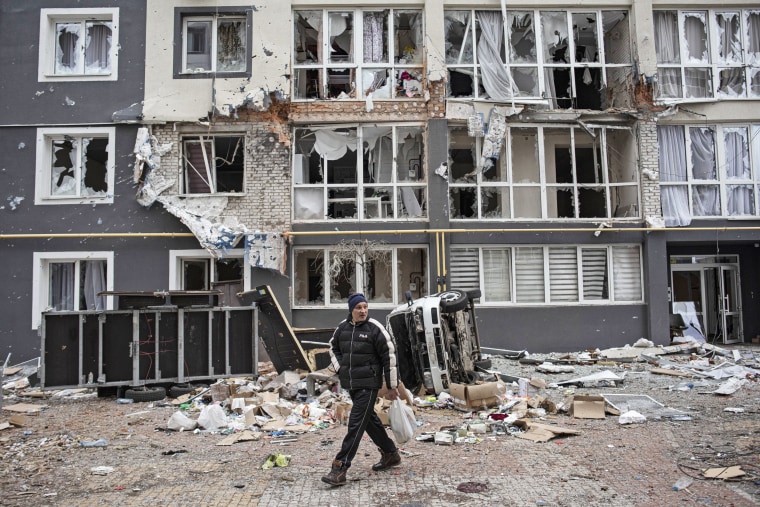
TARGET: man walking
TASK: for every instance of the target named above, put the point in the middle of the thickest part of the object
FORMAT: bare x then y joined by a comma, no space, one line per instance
362,353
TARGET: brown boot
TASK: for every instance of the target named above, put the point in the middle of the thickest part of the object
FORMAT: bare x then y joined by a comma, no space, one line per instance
387,460
337,475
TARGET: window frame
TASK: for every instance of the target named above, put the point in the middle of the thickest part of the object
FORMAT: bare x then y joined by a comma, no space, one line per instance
546,284
47,43
41,277
540,64
43,165
543,184
183,14
722,181
203,139
330,191
395,266
748,65
394,69
178,257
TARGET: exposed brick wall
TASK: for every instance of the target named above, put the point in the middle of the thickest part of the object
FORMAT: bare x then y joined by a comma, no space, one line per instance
649,164
266,203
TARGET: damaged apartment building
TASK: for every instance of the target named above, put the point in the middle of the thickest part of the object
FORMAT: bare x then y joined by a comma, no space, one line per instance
593,170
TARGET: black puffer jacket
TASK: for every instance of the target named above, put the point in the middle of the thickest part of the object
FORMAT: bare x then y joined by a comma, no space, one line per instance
362,353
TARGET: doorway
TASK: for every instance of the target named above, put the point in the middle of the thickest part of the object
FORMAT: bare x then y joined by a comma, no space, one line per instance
705,291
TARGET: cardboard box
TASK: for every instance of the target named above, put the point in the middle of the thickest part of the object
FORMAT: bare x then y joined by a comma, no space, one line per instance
474,396
588,407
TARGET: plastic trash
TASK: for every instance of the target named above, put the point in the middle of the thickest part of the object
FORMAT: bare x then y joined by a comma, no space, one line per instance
682,483
180,422
101,442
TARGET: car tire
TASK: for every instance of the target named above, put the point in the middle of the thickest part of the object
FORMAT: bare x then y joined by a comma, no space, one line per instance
178,390
484,364
453,300
139,394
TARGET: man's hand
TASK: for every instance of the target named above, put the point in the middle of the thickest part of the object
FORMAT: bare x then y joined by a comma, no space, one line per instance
392,394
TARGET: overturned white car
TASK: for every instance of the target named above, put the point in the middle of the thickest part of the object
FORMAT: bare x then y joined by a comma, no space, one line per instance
437,341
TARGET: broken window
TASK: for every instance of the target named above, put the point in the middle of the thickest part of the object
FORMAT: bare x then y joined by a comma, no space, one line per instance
383,276
208,273
533,274
546,173
572,59
332,179
357,53
78,44
701,55
213,164
75,166
214,44
701,164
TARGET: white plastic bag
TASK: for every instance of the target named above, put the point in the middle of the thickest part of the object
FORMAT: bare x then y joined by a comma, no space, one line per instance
180,422
212,417
402,420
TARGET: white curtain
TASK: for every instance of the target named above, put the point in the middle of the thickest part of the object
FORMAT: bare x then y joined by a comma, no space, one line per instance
496,78
672,164
740,200
98,47
753,36
94,282
374,29
62,286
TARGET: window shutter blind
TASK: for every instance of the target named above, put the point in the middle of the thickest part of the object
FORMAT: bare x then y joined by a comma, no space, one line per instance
626,269
595,274
465,269
496,274
529,275
563,274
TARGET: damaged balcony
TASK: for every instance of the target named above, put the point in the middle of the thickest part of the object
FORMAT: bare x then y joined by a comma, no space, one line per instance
554,59
359,173
544,172
357,54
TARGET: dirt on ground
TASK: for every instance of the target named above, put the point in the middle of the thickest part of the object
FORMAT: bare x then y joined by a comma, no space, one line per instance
76,448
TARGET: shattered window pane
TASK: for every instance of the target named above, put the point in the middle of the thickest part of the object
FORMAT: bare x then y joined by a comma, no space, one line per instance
195,274
695,36
729,37
622,168
231,45
308,271
522,37
459,47
585,37
754,82
341,34
78,44
495,202
731,82
308,28
79,167
342,275
214,164
215,44
408,40
617,37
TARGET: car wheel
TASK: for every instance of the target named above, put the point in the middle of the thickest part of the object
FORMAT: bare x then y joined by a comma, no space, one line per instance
145,393
453,301
178,390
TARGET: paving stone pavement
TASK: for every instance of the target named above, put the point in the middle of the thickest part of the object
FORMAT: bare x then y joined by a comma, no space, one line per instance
607,464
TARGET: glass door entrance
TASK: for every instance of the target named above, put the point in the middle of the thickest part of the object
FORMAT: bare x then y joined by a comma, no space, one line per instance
705,292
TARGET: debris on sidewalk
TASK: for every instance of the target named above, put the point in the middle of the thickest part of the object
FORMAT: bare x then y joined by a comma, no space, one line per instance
724,472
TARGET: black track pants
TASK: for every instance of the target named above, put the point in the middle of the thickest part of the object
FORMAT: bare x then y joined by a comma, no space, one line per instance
361,419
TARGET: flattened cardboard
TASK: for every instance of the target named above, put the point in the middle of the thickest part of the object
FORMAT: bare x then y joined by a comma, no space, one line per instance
536,432
466,397
25,408
588,407
724,472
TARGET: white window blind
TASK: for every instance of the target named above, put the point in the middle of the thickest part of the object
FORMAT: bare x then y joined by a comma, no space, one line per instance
529,274
465,269
595,274
626,266
563,274
496,274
